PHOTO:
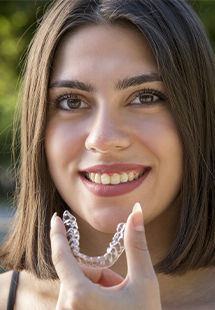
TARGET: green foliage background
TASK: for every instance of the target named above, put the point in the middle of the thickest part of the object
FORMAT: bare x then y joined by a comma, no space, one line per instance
18,21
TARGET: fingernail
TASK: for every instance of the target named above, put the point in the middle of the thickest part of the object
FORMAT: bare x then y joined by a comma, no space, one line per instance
137,218
53,219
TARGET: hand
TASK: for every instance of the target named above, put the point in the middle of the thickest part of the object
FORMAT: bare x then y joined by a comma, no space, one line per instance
79,289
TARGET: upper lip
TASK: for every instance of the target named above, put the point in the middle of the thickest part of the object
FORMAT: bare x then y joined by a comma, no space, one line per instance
116,168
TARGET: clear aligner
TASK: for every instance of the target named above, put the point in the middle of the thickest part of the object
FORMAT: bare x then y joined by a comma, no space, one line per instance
115,249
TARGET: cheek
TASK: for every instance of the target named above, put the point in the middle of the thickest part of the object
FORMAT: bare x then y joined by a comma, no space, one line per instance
161,145
63,142
160,135
167,148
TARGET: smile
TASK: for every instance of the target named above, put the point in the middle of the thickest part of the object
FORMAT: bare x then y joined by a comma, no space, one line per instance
114,180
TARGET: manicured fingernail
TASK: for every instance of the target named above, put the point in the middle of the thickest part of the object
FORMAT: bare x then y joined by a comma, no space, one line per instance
136,207
137,218
53,219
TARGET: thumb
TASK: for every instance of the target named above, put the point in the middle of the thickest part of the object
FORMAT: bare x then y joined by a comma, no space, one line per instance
138,257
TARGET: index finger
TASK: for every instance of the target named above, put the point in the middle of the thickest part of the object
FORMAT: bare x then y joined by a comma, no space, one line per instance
67,268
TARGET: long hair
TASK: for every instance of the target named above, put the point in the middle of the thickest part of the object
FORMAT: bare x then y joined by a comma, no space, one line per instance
186,62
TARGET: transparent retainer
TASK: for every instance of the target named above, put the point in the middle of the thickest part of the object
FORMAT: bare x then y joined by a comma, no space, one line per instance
115,249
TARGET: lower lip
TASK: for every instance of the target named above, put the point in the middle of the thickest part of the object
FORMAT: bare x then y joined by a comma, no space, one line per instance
113,190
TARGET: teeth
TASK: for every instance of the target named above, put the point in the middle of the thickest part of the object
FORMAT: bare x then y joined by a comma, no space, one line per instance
131,176
105,179
92,177
114,179
136,176
124,177
97,178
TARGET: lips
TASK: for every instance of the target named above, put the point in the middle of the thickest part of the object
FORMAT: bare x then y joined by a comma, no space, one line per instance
115,179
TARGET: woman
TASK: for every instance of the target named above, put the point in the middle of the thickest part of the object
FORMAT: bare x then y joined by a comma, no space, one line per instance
118,108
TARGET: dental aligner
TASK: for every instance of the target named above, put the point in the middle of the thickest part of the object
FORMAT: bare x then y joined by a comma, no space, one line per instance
115,249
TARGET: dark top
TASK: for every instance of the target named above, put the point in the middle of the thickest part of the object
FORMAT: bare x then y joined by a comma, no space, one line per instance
13,288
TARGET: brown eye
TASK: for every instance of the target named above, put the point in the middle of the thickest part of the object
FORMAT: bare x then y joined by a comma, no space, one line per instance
67,103
146,98
74,103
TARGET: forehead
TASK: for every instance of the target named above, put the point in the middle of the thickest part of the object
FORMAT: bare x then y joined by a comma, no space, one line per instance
102,47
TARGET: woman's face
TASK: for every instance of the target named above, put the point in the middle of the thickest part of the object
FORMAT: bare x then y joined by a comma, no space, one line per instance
111,139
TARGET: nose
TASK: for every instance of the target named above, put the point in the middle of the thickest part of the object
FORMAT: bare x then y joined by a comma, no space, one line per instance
107,133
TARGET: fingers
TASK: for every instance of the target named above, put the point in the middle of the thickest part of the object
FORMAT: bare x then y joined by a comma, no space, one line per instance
77,289
104,277
138,258
65,264
109,278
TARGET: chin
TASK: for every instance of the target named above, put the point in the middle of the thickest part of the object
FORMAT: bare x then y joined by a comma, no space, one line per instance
104,222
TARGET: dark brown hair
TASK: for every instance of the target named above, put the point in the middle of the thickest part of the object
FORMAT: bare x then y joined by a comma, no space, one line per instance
186,62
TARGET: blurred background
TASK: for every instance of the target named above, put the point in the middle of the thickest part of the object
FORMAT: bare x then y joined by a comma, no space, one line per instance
18,22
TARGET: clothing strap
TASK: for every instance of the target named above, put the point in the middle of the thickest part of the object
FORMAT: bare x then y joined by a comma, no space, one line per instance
13,288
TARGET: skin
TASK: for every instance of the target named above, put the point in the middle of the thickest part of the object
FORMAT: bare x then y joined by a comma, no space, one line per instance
113,127
108,127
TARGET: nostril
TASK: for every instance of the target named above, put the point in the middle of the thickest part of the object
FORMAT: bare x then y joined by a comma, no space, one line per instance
107,138
96,150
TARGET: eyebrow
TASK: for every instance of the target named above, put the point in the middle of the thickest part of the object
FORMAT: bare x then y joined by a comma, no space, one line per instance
72,84
121,84
138,80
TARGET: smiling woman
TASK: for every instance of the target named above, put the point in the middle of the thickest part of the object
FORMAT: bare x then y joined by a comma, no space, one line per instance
124,98
118,107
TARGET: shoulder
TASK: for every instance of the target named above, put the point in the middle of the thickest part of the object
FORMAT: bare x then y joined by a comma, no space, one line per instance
5,279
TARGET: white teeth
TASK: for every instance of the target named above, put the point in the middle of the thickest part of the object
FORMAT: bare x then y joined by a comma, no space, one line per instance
136,176
114,179
105,179
92,177
124,177
97,178
131,176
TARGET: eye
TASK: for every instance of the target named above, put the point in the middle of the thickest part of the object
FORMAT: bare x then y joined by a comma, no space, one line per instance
70,102
148,97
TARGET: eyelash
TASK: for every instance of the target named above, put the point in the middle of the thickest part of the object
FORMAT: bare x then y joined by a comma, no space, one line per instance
146,91
150,92
65,96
